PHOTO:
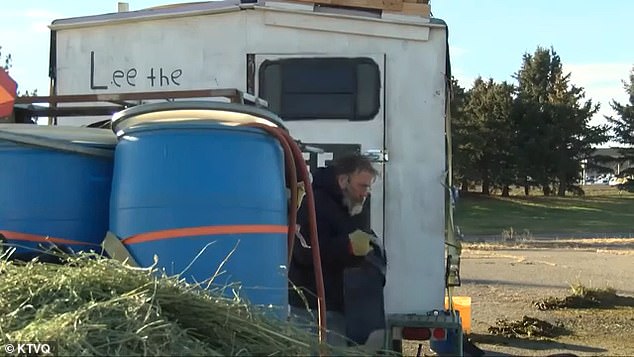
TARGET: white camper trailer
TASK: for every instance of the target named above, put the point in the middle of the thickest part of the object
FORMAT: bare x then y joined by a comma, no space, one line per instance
386,95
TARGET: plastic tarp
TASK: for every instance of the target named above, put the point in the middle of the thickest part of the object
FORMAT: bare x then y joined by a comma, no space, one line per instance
8,90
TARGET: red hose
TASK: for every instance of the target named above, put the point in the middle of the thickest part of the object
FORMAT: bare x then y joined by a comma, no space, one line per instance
314,242
291,176
291,150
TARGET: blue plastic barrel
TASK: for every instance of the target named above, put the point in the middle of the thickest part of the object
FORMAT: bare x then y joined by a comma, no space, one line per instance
203,195
54,187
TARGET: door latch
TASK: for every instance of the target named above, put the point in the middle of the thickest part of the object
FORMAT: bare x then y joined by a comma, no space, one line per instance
377,155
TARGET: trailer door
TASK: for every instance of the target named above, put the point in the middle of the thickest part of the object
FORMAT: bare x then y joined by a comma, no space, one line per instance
332,102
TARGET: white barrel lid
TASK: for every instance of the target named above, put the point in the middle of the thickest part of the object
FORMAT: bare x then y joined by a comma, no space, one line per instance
71,134
192,112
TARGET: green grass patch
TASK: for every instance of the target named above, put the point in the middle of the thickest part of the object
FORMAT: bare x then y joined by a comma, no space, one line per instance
602,209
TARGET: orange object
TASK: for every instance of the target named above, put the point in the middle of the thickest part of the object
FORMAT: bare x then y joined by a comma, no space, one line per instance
8,92
206,230
39,238
463,305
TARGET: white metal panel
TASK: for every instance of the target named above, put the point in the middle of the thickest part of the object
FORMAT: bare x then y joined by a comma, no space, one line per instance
415,135
346,25
414,86
168,54
211,52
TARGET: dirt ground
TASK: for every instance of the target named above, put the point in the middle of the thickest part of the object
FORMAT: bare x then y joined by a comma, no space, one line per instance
503,281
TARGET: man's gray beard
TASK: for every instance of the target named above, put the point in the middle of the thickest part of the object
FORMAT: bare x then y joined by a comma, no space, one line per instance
353,208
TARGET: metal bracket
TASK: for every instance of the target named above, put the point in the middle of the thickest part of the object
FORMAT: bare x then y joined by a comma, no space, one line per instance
116,250
452,272
377,155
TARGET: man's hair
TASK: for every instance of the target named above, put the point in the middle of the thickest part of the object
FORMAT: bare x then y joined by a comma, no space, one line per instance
349,164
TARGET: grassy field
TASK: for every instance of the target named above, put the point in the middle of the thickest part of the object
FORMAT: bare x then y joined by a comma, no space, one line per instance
603,209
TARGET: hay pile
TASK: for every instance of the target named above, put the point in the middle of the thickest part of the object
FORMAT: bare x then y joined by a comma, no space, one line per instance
98,306
527,327
582,297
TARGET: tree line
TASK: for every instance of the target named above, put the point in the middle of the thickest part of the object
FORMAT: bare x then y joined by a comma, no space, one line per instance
535,133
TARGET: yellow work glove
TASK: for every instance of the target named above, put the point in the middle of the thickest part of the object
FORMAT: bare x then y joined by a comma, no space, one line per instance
360,243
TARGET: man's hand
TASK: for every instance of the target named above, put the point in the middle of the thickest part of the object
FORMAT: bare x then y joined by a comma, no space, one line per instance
360,243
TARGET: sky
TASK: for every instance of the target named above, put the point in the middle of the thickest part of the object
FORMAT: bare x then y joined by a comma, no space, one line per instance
487,38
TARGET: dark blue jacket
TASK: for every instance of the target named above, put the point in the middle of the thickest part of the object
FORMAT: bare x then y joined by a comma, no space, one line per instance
334,223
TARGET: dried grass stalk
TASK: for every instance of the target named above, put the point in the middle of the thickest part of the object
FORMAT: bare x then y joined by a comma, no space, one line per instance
96,306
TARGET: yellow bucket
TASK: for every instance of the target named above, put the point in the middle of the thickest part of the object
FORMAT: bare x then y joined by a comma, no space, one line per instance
463,305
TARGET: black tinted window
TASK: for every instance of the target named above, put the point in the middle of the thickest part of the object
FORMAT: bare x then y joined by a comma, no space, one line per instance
321,88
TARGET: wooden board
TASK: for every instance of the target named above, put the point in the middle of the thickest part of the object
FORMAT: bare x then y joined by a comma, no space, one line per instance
392,5
402,7
418,9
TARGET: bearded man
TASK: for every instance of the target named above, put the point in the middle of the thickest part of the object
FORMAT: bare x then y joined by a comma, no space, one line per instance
340,192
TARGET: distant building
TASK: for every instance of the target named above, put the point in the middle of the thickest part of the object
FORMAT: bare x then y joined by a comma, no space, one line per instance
606,161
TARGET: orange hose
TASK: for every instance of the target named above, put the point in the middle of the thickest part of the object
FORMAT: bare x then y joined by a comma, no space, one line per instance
292,150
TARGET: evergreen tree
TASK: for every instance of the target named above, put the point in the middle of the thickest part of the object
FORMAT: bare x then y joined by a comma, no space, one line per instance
553,123
488,110
531,119
623,125
462,134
